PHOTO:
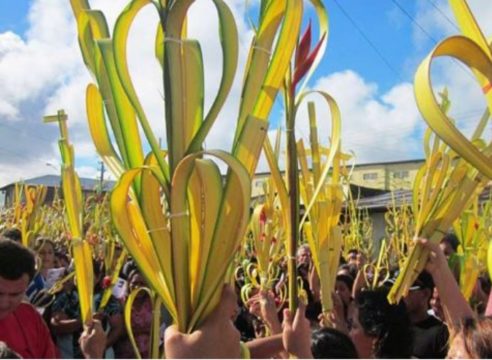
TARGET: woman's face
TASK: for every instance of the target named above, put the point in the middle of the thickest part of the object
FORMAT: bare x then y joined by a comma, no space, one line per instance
61,261
137,281
343,291
47,256
435,303
363,342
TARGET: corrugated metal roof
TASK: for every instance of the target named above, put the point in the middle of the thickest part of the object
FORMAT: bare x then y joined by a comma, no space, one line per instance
383,201
55,180
402,197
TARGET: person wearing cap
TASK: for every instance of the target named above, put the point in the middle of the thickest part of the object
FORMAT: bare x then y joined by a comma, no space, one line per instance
449,244
430,334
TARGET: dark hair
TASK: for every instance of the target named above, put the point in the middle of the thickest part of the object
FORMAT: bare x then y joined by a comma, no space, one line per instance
62,255
344,267
424,281
13,234
15,260
452,240
346,279
350,268
7,353
353,270
328,343
389,324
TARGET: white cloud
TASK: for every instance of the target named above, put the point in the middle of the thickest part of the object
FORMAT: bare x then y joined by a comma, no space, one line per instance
29,169
467,100
88,172
42,72
31,68
10,41
84,148
45,59
437,18
377,127
8,110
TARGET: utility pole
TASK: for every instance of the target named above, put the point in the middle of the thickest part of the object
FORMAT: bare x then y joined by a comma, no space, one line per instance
101,176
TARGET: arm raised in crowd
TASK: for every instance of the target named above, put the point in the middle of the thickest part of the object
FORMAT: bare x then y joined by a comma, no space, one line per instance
263,306
455,306
216,338
296,334
93,340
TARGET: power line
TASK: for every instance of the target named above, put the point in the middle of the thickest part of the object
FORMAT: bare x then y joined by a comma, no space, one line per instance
371,44
403,10
412,19
443,15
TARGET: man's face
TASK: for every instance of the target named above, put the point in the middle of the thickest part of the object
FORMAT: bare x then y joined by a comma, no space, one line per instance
304,256
417,299
11,294
435,303
352,258
446,248
413,300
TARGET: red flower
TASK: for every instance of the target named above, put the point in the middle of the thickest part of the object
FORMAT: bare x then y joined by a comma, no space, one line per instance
263,217
302,50
106,282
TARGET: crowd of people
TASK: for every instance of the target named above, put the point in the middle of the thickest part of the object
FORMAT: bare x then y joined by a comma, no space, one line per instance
434,320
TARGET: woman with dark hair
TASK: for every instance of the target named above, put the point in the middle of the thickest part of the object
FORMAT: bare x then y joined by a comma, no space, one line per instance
343,287
342,304
379,329
329,343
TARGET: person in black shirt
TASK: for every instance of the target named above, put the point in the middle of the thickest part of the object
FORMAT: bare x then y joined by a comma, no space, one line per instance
430,334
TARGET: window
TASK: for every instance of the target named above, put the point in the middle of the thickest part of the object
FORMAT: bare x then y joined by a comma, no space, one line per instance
400,174
370,176
259,183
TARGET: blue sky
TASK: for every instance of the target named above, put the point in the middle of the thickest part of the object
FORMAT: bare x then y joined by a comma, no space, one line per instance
13,15
344,39
381,27
370,75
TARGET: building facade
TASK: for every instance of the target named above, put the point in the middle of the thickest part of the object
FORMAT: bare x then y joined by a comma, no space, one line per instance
53,184
397,175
